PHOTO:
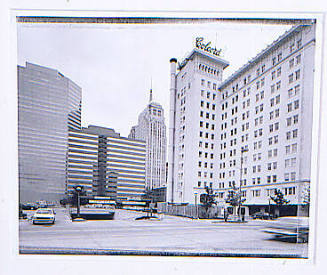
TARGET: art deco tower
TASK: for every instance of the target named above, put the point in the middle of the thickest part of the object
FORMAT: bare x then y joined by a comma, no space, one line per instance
151,128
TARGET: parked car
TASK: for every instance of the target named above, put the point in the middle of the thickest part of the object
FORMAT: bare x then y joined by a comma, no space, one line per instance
22,215
43,204
44,216
290,227
263,216
28,206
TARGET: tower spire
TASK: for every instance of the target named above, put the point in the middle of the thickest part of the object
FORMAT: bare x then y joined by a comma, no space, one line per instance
151,92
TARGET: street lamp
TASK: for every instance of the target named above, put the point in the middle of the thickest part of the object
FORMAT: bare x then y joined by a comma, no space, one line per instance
243,150
78,189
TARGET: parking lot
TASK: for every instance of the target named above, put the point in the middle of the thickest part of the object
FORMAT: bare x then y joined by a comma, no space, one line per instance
169,235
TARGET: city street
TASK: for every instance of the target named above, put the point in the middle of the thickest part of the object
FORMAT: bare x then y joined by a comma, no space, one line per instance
168,236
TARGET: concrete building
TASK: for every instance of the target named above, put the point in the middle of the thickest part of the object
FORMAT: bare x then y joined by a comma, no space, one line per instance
260,136
49,105
151,128
193,125
106,164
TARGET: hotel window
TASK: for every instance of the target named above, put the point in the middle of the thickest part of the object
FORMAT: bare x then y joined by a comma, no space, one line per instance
279,57
290,78
275,165
270,140
289,107
262,82
199,183
294,148
275,152
268,179
298,59
296,104
290,93
277,113
296,119
262,94
288,149
271,115
273,75
277,99
299,43
202,82
258,85
269,166
209,84
208,95
274,61
289,121
295,133
279,71
296,89
297,75
272,102
278,84
263,68
291,63
200,163
292,46
214,86
293,176
275,138
288,135
286,177
274,178
276,126
271,128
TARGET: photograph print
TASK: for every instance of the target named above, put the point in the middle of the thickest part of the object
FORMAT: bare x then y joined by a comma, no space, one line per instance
165,136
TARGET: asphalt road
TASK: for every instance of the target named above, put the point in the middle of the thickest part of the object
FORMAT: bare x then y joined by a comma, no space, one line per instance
168,236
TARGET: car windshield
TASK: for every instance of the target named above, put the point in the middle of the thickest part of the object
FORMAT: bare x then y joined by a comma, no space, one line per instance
44,211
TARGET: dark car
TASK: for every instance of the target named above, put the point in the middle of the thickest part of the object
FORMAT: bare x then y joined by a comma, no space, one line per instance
28,206
22,215
263,216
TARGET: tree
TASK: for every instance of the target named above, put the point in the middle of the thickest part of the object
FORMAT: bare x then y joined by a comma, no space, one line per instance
306,195
278,198
234,197
208,199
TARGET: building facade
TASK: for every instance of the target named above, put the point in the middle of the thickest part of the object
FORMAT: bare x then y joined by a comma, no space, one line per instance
49,105
193,125
261,136
151,128
106,164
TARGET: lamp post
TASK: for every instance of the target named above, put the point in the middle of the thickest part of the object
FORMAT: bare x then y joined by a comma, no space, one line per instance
243,150
196,205
78,189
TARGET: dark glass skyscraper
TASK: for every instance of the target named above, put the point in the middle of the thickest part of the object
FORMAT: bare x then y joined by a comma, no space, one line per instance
49,104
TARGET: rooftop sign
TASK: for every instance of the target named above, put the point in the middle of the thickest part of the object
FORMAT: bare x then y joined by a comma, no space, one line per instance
206,47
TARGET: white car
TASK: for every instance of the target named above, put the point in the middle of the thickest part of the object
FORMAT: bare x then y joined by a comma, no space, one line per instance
288,227
44,216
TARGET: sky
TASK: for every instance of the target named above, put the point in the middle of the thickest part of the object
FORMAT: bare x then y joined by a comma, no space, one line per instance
116,64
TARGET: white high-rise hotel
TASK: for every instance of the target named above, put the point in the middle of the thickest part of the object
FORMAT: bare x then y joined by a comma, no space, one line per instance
152,129
261,114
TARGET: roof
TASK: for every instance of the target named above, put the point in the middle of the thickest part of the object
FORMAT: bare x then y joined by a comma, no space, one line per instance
261,55
197,51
